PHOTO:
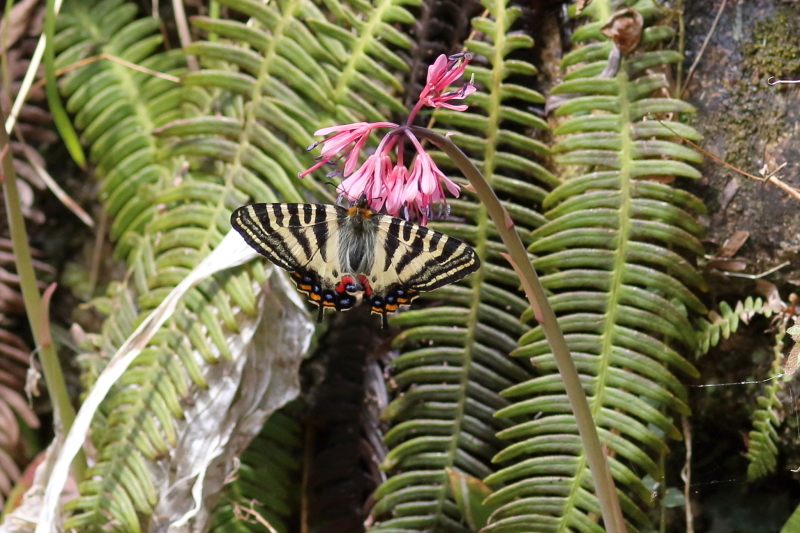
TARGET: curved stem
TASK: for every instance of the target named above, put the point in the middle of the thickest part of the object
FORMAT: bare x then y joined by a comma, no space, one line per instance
518,257
64,414
412,115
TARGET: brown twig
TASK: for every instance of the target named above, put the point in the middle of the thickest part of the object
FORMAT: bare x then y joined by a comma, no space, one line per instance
50,183
110,57
769,178
184,34
703,48
241,512
97,252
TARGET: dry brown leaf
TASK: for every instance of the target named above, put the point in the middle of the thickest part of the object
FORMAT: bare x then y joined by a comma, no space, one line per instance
6,378
13,340
8,278
5,482
728,264
28,173
13,347
19,20
733,243
770,293
625,28
792,360
11,302
9,466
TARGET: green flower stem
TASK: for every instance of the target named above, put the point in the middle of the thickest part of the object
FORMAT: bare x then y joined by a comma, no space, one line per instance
37,314
603,481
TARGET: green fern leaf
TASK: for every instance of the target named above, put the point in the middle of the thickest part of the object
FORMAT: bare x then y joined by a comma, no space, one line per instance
722,324
612,255
266,478
762,445
453,360
242,123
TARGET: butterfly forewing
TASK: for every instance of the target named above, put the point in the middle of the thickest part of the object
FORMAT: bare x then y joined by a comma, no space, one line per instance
421,258
290,235
337,255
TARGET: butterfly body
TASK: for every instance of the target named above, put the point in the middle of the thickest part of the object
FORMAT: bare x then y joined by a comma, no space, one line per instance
338,256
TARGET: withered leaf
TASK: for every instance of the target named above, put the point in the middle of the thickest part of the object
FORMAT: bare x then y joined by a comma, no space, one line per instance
733,243
625,28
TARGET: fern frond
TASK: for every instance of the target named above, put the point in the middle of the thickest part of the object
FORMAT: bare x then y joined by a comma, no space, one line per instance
117,108
293,77
611,256
266,481
722,324
762,441
454,357
240,123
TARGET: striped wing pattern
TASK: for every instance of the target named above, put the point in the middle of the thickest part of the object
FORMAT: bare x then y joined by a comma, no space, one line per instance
421,258
338,256
289,235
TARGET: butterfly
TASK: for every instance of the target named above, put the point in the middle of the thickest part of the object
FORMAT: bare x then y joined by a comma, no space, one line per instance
339,256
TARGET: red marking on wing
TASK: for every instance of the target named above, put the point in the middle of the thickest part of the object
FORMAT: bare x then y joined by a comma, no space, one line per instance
365,282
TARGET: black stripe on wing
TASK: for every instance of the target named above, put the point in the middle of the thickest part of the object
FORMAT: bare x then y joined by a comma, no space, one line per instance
277,230
446,259
454,261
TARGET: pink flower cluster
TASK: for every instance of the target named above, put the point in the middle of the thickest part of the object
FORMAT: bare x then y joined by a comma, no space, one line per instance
388,184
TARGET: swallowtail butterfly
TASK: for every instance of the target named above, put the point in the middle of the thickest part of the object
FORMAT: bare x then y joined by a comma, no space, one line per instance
338,256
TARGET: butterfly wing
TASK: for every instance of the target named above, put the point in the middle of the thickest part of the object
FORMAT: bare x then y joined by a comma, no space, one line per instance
292,236
300,238
304,239
411,258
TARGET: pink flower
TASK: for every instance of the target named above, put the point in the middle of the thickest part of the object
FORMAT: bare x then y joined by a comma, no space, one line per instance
368,181
395,189
424,184
347,142
442,73
389,185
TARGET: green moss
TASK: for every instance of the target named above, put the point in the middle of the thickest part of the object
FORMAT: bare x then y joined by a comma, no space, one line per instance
774,49
750,112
